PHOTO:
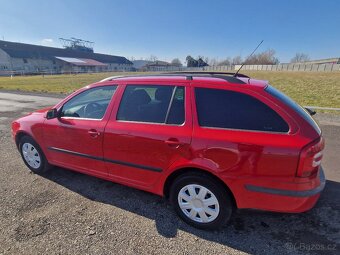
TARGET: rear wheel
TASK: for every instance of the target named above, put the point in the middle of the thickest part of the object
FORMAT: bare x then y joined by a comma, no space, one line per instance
201,201
33,156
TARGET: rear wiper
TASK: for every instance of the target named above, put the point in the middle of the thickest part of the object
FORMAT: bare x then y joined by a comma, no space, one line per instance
310,111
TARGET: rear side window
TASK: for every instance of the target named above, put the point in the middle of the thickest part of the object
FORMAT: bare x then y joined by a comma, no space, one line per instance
228,109
152,103
176,112
293,105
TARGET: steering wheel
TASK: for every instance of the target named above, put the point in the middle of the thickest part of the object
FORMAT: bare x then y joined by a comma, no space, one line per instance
91,108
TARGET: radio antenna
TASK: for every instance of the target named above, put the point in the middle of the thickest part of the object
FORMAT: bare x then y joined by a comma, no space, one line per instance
248,58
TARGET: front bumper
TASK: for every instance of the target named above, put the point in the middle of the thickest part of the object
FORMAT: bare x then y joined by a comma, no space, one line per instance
296,197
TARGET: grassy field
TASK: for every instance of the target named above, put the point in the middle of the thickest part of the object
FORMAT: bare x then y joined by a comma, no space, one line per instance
307,88
52,83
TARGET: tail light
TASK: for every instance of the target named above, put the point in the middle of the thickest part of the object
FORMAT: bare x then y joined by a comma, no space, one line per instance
310,158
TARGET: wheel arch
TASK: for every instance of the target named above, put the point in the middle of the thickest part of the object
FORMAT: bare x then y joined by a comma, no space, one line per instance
187,170
19,135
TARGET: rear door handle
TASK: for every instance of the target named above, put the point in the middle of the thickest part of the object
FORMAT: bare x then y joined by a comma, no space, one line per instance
93,133
173,142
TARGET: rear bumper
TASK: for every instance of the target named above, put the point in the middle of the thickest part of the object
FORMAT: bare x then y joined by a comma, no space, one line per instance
291,193
297,197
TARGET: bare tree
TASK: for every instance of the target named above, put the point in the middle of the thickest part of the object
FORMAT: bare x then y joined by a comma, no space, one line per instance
237,60
300,58
206,60
213,62
176,62
153,58
264,58
225,62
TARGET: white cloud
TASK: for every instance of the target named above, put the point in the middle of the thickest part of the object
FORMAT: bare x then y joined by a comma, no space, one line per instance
47,42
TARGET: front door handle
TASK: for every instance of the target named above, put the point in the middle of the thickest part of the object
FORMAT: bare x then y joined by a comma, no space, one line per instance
94,133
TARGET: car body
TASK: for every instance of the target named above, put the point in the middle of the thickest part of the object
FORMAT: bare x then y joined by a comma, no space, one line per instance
268,157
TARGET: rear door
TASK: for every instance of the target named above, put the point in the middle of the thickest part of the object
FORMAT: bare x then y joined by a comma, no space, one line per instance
147,132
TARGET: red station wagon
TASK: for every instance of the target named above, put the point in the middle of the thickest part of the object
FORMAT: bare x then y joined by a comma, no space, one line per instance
209,142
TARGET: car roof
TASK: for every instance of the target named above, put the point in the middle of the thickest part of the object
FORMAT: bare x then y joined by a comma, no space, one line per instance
218,78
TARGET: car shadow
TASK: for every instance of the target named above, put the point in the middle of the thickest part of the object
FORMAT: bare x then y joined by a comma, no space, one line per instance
249,230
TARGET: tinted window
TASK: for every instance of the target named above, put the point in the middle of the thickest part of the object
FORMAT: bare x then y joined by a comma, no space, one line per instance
293,105
229,109
176,113
149,103
90,104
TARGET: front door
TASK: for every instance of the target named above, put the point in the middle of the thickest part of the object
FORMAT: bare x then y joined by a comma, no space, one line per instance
75,139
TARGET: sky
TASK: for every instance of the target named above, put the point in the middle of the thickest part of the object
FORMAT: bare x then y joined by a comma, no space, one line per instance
177,28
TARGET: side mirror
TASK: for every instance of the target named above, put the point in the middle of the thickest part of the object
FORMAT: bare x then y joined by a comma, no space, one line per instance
52,113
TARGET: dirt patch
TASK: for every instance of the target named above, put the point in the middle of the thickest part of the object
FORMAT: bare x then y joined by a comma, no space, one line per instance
37,201
31,229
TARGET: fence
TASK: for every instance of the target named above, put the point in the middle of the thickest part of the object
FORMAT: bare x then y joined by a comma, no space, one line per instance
21,73
229,68
279,67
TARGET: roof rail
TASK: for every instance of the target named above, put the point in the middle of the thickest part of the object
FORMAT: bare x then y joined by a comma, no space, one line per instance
189,76
111,78
229,77
210,73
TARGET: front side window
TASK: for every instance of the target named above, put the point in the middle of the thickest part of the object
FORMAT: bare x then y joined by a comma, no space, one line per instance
228,109
152,103
90,104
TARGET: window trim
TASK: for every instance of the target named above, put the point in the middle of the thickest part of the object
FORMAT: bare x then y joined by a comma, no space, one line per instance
288,132
169,107
75,118
248,130
152,123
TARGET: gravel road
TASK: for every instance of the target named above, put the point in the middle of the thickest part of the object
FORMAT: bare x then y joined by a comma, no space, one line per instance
65,212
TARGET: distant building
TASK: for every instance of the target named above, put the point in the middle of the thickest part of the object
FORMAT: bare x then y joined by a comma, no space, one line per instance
138,64
27,58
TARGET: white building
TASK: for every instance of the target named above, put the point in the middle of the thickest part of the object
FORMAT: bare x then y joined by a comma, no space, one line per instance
21,58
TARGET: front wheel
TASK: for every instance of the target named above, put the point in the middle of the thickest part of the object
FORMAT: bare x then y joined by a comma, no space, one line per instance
33,156
201,201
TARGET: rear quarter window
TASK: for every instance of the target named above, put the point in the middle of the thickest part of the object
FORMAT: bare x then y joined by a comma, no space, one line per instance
234,110
293,105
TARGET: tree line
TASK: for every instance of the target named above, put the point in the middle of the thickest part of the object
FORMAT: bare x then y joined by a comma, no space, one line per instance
267,57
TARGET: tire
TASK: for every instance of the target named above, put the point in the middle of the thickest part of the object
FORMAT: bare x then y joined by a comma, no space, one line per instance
197,210
33,156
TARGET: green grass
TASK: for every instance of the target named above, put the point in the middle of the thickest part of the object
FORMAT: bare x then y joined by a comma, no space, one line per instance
307,88
53,83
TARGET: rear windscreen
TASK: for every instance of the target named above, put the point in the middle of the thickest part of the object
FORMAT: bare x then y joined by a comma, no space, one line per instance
293,105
